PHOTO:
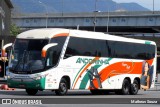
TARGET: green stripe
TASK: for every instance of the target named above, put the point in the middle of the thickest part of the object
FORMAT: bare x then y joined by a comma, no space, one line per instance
147,42
78,73
109,59
86,78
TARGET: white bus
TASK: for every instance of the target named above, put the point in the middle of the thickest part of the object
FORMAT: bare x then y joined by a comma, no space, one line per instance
61,59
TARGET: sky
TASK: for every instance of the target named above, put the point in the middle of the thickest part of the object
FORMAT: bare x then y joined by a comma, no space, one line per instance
145,3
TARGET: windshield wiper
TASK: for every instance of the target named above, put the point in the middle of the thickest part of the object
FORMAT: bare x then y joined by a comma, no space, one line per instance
27,61
20,59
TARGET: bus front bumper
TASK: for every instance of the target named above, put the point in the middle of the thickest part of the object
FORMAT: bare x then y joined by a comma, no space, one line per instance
27,83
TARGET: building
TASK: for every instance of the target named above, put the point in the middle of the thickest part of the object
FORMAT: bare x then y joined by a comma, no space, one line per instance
5,16
5,19
5,22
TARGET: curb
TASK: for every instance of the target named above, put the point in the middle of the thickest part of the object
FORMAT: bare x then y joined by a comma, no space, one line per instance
5,87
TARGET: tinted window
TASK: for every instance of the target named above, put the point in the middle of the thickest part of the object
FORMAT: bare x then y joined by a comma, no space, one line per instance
158,64
33,44
86,47
131,50
106,48
55,51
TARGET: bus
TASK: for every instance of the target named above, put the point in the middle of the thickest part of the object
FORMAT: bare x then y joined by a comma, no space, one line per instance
60,59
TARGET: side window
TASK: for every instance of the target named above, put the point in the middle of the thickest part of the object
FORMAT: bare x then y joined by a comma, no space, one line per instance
75,47
111,49
106,48
71,50
86,47
102,48
143,51
118,49
53,54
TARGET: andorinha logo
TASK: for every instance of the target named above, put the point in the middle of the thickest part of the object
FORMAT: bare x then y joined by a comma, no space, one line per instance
91,61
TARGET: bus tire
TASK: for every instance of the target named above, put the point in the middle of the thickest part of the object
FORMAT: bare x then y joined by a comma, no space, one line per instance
134,87
62,88
125,87
31,91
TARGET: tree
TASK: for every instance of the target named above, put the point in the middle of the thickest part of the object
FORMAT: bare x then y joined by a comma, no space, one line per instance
14,30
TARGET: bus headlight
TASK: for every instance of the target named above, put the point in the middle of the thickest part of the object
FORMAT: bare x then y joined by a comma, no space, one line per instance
8,77
40,77
37,78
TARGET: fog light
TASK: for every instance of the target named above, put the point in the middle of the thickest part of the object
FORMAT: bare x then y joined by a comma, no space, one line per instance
8,77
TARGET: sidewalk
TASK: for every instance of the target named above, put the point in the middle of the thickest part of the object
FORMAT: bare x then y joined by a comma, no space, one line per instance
156,88
5,87
3,81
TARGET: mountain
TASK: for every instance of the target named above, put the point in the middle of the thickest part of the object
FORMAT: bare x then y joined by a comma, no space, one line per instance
56,6
133,7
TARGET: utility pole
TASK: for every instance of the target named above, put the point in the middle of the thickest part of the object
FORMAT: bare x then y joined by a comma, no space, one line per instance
62,7
46,12
153,6
107,19
95,20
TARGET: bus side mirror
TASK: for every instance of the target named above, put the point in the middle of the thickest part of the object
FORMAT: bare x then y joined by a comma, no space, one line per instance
46,47
9,45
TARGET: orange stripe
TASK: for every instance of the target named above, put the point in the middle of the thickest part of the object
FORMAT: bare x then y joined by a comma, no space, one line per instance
117,69
61,34
3,52
44,53
150,61
96,58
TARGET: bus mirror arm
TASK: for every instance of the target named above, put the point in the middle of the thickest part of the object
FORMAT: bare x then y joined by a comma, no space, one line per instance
5,47
46,47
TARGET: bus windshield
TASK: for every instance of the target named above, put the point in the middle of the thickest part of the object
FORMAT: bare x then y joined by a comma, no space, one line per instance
26,55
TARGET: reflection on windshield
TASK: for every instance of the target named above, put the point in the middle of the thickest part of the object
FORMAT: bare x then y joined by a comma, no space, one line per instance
26,55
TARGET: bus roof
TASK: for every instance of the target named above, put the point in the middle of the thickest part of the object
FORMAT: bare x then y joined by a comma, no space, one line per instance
44,33
47,33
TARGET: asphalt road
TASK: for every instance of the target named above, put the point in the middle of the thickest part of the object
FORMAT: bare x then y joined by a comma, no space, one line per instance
20,93
82,98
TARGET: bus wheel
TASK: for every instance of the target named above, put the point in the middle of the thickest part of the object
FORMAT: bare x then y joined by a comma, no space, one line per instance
134,88
125,87
31,91
62,87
